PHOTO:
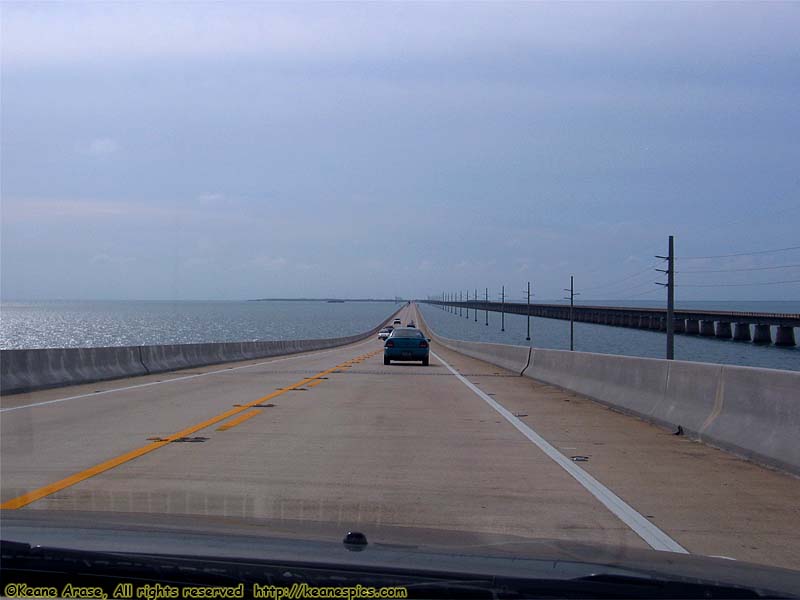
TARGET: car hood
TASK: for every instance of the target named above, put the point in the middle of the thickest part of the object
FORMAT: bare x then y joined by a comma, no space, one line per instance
393,547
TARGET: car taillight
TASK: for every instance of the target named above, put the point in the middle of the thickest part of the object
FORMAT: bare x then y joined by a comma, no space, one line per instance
390,344
423,344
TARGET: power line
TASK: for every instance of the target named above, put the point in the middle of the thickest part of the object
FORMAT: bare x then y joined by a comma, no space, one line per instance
740,253
616,281
632,288
739,284
737,270
643,293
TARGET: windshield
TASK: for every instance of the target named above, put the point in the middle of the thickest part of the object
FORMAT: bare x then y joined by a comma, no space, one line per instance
579,336
410,333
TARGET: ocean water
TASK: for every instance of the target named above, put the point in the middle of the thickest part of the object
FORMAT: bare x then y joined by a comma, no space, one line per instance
74,324
589,337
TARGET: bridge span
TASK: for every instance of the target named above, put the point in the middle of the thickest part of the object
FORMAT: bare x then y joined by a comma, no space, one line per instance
335,436
739,326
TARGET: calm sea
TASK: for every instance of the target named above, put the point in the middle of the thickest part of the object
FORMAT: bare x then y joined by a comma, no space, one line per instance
554,333
72,324
64,324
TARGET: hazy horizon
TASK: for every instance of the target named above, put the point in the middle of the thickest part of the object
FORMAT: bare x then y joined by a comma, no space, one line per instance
620,301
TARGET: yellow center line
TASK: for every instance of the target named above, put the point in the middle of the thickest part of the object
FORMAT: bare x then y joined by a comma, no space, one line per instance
52,488
234,422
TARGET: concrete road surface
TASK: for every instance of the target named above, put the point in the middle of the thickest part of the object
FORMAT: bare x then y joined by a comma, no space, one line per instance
336,436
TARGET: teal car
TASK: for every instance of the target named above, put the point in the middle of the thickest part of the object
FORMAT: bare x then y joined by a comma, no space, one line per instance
406,343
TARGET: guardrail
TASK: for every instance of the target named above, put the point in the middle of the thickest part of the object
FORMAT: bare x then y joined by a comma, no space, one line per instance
751,412
36,369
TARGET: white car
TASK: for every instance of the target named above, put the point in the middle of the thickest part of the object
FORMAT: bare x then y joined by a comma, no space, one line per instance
384,333
398,322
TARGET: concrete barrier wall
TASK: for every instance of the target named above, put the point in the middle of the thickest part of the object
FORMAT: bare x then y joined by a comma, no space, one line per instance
635,384
758,416
22,370
29,370
752,412
513,358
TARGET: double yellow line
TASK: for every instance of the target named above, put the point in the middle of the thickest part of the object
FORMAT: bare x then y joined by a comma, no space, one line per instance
52,488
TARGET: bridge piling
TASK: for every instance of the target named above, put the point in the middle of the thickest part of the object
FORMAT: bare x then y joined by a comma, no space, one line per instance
784,336
762,334
741,332
723,330
692,326
707,328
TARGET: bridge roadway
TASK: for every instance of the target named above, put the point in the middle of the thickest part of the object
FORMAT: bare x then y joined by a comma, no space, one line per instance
336,436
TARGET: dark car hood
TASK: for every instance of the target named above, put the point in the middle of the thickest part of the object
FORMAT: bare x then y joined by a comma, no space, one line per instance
393,547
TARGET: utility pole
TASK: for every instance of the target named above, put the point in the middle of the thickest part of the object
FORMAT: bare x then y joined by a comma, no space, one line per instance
476,305
528,338
487,307
503,309
572,295
670,271
460,302
572,312
467,311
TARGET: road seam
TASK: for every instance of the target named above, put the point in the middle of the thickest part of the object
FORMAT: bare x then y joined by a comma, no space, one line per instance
652,535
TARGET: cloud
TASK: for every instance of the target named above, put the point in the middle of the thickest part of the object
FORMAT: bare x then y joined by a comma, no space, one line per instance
100,147
210,198
107,259
269,263
35,209
107,32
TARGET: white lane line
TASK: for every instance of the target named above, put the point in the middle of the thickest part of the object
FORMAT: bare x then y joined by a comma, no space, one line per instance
174,379
651,534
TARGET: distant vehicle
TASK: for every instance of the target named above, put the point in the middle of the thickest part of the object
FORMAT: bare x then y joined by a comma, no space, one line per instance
411,324
397,322
384,333
404,344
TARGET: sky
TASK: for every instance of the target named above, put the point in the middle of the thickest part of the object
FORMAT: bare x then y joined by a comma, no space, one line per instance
248,150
